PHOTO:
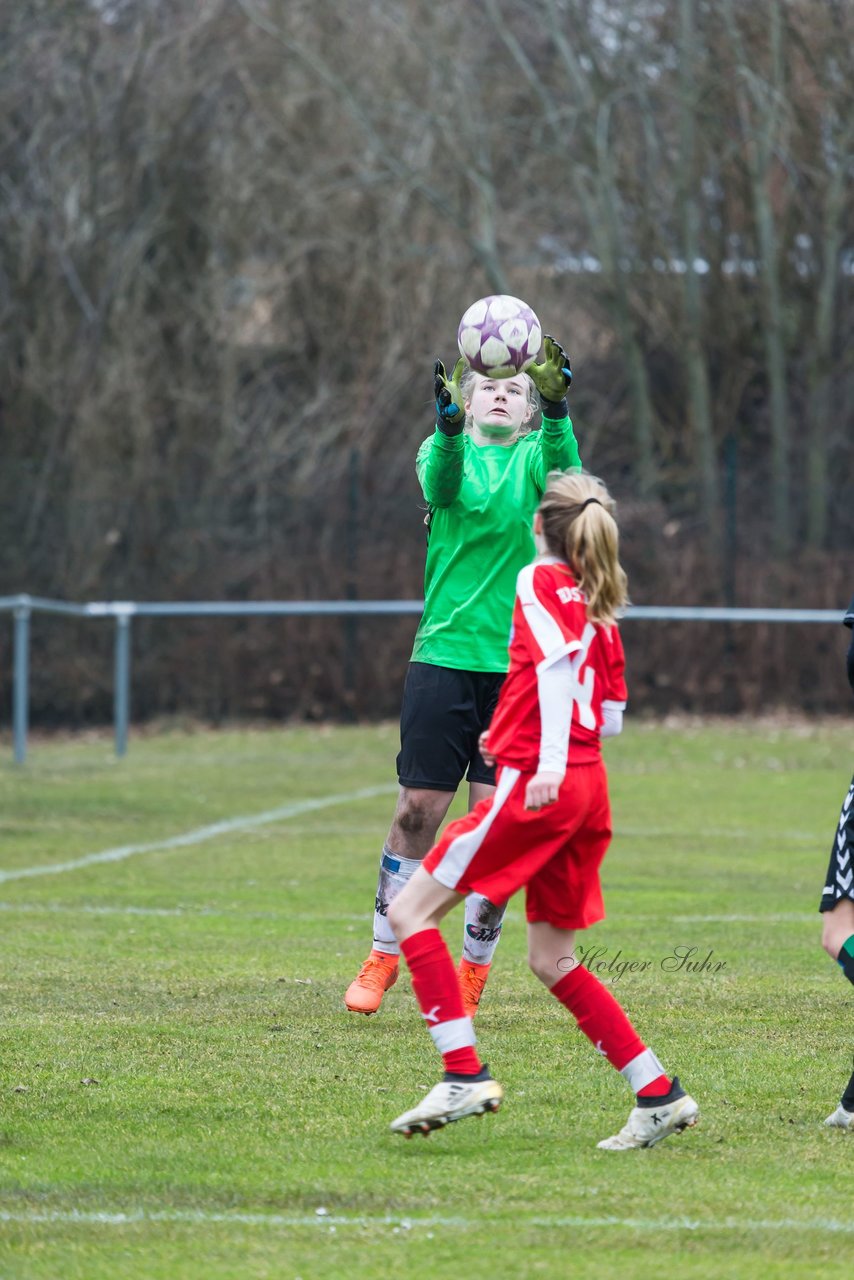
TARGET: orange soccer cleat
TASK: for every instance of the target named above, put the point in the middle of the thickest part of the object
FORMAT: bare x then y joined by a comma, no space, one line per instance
377,974
472,979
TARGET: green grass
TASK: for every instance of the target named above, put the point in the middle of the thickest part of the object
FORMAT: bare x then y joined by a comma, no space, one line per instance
200,987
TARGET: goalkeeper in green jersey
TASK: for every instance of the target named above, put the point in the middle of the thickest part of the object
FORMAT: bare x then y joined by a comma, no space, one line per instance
483,473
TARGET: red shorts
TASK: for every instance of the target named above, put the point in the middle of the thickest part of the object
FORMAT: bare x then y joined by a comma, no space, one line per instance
554,852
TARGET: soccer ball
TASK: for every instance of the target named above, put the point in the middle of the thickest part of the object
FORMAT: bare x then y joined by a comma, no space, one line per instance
499,336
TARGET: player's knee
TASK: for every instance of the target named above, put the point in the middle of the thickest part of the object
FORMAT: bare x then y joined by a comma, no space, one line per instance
416,816
832,937
542,965
837,927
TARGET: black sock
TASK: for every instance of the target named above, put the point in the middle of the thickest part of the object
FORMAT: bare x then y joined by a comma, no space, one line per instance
848,1095
845,959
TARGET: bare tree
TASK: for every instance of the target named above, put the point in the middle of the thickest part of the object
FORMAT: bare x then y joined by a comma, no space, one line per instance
764,120
824,110
694,338
235,235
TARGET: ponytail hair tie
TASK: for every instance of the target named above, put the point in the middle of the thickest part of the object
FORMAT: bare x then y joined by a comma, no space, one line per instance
589,500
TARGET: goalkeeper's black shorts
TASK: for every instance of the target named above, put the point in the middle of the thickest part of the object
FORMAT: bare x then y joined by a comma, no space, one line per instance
444,713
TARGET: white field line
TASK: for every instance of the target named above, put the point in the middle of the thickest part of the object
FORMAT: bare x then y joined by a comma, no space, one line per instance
93,909
511,916
227,827
198,1217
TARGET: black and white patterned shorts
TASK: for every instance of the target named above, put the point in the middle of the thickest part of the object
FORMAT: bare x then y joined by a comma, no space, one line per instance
839,882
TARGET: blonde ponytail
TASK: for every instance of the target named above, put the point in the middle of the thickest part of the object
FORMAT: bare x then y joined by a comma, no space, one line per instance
579,525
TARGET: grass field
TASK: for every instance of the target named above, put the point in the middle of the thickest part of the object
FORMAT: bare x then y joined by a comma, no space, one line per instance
183,1095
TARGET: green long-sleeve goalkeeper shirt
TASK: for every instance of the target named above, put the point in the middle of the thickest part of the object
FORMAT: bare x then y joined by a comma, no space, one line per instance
483,499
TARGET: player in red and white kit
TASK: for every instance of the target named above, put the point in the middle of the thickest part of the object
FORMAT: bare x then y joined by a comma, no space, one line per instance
547,826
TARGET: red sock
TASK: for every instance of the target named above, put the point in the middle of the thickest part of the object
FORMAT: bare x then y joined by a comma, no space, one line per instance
604,1022
657,1088
437,990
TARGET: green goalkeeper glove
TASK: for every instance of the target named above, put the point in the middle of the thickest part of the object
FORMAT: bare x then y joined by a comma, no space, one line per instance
450,411
553,376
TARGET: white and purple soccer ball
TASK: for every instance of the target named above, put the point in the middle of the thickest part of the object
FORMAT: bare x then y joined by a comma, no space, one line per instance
499,336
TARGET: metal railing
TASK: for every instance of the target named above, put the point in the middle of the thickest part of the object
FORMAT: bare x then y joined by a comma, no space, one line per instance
22,607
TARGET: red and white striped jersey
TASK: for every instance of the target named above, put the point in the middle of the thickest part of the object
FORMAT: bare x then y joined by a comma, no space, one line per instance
563,670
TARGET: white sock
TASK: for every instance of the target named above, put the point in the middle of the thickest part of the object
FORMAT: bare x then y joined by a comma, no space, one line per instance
642,1070
482,929
394,873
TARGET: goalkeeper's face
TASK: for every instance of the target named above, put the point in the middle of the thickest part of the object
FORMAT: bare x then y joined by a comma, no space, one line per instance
500,407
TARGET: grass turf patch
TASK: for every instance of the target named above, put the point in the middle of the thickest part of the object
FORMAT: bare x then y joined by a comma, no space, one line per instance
183,1092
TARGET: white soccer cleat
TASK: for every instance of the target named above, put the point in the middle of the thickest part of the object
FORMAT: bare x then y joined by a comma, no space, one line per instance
648,1125
841,1119
451,1100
